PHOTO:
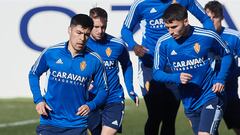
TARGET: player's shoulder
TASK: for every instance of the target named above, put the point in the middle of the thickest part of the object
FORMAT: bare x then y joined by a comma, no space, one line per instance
231,32
55,48
138,3
92,55
204,32
164,38
118,42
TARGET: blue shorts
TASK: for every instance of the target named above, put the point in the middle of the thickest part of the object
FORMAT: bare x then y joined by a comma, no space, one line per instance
207,118
95,122
52,130
112,115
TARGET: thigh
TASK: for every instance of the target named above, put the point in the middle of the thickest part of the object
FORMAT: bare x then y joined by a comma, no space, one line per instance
194,119
211,115
112,115
95,122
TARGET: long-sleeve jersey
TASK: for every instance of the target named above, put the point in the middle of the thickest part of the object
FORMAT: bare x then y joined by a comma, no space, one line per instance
232,38
149,13
192,55
68,79
114,51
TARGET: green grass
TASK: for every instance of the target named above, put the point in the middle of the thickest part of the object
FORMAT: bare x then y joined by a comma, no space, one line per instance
13,110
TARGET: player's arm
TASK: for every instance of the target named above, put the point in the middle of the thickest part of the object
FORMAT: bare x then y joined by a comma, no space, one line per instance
197,10
221,49
160,61
100,83
127,71
39,67
133,18
36,71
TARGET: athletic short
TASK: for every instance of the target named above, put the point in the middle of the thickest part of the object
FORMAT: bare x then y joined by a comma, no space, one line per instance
232,113
207,118
95,122
112,115
51,130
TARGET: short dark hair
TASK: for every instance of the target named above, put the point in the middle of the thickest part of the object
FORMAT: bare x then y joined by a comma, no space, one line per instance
215,7
175,12
98,12
81,19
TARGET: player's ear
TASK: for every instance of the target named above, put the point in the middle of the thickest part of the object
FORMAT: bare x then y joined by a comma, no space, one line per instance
69,30
185,21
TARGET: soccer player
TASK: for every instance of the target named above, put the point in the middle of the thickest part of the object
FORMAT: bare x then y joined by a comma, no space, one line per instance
149,14
70,67
231,116
113,51
187,51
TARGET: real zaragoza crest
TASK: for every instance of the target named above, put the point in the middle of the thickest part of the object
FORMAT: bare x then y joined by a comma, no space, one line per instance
108,51
196,47
83,65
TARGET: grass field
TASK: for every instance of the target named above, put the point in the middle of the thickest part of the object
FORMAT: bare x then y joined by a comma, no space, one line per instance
18,117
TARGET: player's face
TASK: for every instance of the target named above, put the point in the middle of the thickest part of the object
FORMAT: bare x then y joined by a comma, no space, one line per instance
77,38
99,28
216,20
177,29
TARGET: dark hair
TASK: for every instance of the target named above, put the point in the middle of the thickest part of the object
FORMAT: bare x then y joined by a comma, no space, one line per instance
98,12
81,19
215,7
175,12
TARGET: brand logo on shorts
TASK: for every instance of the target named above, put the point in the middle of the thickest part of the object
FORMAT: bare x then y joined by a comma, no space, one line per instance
115,122
210,107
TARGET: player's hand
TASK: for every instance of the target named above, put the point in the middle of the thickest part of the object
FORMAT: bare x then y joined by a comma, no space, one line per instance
42,108
217,87
185,78
83,110
134,97
139,50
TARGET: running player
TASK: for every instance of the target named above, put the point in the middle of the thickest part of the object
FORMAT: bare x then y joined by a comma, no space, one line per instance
186,50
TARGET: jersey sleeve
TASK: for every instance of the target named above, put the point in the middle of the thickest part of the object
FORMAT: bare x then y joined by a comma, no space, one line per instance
100,82
133,18
39,67
220,48
197,10
160,62
127,69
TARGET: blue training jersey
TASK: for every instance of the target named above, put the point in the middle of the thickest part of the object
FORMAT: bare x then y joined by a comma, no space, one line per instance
114,51
232,38
149,14
68,79
192,55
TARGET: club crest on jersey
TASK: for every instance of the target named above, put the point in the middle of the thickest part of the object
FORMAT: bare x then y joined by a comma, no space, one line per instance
83,65
108,51
196,47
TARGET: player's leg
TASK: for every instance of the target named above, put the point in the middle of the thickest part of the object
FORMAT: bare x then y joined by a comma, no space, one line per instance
194,119
211,115
231,114
112,116
171,105
151,98
95,122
